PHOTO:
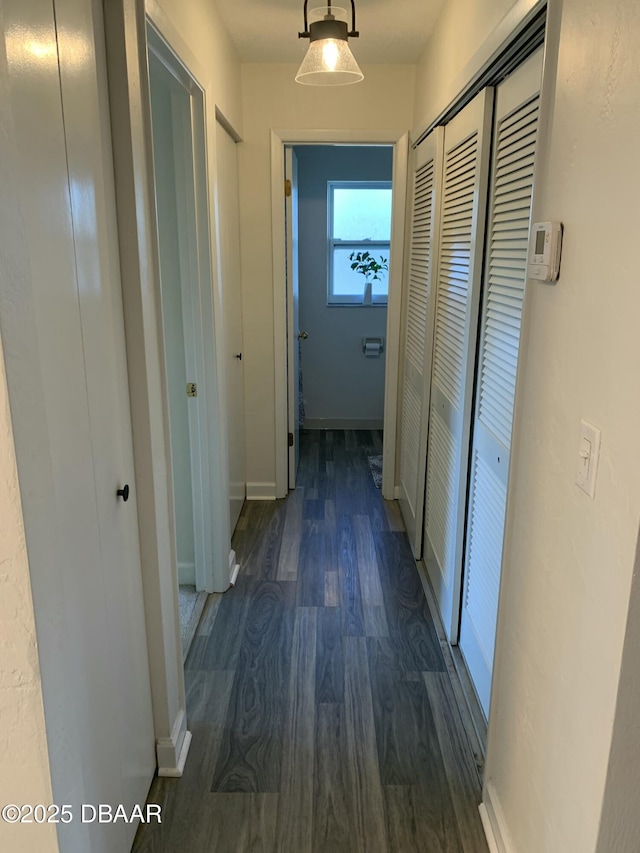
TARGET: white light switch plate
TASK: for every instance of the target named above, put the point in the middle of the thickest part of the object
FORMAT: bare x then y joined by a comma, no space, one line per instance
588,453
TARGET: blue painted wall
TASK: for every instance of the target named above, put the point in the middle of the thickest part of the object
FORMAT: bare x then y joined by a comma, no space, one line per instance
340,383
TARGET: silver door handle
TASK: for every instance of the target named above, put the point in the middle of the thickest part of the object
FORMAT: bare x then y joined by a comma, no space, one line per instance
302,336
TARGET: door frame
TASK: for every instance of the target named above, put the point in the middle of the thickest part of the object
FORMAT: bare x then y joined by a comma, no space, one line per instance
292,281
400,142
211,517
126,42
191,297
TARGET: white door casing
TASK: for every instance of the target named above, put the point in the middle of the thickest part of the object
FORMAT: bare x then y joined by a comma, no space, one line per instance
228,219
511,187
418,332
62,328
467,141
280,138
293,313
199,304
175,215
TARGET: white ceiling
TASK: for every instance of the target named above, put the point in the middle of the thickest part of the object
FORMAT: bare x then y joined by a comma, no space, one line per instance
393,31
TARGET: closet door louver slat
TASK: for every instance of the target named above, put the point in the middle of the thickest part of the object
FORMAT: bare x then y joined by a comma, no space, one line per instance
417,343
505,275
462,216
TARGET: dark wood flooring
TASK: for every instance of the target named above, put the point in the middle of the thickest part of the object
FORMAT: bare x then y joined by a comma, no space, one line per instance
323,718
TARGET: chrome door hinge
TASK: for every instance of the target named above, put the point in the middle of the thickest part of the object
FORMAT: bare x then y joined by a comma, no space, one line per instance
192,389
290,439
287,187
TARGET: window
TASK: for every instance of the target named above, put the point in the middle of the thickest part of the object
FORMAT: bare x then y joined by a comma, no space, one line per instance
359,220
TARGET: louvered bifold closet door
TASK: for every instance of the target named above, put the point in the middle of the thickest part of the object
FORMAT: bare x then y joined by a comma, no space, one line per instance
418,333
511,186
467,141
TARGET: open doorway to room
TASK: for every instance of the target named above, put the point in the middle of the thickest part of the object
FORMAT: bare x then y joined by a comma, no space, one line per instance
339,213
285,293
180,175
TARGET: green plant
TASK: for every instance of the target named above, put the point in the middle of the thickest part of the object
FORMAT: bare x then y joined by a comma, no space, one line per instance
365,264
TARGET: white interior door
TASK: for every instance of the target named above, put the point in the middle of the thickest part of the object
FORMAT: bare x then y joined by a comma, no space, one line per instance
293,312
229,236
86,113
463,212
64,340
516,124
418,333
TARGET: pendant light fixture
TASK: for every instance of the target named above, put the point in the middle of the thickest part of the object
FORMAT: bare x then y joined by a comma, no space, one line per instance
329,61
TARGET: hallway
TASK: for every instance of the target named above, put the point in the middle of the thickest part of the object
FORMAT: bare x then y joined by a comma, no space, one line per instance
322,714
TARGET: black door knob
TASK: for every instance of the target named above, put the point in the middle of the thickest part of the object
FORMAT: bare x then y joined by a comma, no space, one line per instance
239,356
123,493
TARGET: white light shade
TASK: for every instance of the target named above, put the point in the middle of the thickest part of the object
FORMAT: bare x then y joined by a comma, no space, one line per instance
329,62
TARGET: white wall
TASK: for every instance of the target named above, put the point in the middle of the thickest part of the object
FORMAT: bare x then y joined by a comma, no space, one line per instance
195,31
171,282
620,821
272,99
461,29
340,383
24,763
569,560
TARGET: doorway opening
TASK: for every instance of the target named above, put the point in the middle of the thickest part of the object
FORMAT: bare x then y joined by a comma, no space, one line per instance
284,173
339,205
190,359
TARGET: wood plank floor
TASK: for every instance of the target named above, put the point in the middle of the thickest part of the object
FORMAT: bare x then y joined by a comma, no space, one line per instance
322,714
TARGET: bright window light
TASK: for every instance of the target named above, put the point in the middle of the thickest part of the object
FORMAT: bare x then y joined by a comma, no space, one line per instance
359,220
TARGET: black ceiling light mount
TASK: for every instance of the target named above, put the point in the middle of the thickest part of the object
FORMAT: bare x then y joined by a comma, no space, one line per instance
329,61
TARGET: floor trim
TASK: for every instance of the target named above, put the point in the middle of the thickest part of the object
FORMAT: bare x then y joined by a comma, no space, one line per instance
171,752
493,821
177,771
488,829
261,491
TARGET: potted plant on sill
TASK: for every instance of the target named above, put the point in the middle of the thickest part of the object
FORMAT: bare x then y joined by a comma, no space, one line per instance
365,264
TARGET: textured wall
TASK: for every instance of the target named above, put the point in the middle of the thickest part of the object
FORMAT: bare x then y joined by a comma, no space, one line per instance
569,560
24,763
461,29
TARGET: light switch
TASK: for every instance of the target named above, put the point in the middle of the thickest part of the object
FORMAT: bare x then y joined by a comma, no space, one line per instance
588,453
585,457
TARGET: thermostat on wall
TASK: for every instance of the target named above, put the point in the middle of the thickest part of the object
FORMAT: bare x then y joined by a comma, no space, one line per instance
545,248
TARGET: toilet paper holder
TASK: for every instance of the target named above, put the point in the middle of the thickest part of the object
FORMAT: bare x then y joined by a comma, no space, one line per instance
372,347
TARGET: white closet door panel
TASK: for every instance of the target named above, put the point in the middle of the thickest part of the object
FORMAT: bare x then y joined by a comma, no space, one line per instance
505,275
419,309
465,177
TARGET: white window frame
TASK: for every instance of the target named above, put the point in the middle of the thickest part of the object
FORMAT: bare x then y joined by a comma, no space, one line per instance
373,246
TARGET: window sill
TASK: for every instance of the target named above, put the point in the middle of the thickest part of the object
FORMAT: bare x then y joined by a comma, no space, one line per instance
357,305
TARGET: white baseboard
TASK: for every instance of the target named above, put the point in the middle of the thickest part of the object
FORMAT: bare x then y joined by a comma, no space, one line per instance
234,568
493,822
187,573
343,423
171,752
261,491
488,829
178,770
